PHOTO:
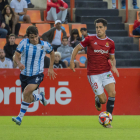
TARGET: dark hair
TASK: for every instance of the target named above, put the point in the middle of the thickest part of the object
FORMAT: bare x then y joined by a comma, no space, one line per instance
83,29
139,13
65,37
12,35
11,11
101,20
32,30
74,31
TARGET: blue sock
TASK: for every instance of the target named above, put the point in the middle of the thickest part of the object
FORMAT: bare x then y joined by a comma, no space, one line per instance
24,107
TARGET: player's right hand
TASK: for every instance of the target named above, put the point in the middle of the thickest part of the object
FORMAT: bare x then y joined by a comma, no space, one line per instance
72,65
21,66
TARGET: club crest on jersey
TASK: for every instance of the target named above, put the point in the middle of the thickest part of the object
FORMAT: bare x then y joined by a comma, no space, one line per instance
107,44
5,65
42,47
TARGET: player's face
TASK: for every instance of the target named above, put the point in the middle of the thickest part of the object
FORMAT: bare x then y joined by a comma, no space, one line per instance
65,42
58,26
100,30
34,39
2,54
12,40
57,58
84,33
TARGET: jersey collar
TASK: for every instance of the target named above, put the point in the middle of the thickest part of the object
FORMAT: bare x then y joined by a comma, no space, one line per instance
100,38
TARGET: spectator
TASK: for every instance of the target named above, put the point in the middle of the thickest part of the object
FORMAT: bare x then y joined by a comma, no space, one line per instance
5,62
66,52
3,32
54,35
3,3
56,9
134,4
11,21
57,62
10,47
113,4
136,26
74,38
46,62
30,5
20,8
84,34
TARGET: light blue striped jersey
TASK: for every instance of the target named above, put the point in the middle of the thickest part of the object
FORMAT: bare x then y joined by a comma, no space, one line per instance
32,56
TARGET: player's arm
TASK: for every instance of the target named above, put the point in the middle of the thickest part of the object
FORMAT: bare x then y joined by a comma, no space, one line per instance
51,73
74,53
113,63
85,42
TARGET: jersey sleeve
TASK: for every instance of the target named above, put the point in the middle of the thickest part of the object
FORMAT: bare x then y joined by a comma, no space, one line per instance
48,47
112,49
85,42
20,47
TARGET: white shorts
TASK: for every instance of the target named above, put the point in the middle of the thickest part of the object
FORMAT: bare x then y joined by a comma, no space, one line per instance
98,82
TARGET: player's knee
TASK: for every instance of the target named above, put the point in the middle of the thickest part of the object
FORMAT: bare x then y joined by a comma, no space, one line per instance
113,93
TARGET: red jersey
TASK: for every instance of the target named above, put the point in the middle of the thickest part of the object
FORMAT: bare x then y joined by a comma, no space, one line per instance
136,24
59,3
98,52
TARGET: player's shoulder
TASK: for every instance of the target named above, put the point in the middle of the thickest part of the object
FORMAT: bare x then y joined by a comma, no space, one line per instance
110,39
45,43
25,40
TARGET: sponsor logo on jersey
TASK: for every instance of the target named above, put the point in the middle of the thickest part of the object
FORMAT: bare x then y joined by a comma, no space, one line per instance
107,44
95,43
101,51
5,65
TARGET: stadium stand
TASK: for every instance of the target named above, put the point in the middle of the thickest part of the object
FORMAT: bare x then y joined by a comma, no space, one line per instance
45,20
35,16
17,41
43,28
131,31
23,28
2,42
81,58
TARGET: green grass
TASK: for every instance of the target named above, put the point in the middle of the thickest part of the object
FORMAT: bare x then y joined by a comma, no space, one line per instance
69,128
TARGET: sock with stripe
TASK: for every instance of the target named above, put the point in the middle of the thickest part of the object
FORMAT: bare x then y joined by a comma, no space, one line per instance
24,107
37,97
110,104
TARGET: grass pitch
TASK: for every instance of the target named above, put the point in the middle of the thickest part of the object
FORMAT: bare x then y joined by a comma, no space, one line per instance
69,128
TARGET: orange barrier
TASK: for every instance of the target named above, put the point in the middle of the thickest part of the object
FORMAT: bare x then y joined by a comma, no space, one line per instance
70,93
35,16
72,5
42,28
131,31
78,27
117,4
2,42
23,28
81,58
45,20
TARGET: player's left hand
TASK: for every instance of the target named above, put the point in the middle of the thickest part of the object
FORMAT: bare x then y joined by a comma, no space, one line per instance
114,69
51,73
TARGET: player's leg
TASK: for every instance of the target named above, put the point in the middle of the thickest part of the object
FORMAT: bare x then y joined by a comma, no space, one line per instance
96,84
52,15
110,88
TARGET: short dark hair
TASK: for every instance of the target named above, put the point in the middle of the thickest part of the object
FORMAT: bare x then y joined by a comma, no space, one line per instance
32,30
12,35
83,29
65,37
101,20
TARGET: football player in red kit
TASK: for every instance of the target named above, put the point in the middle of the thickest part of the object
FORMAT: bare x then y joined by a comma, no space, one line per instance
100,49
